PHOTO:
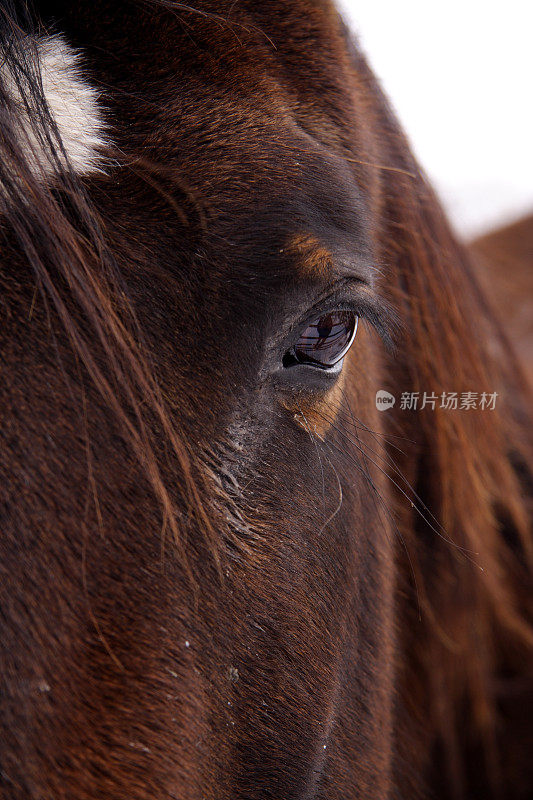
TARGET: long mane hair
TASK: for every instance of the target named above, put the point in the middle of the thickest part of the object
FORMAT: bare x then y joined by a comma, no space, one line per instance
468,635
464,616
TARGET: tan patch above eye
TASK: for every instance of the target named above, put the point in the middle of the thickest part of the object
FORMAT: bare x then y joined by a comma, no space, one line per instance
312,258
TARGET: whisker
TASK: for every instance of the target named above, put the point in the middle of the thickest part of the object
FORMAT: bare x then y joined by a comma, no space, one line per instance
385,436
384,167
377,495
174,7
399,534
319,458
375,434
467,553
388,458
341,498
390,461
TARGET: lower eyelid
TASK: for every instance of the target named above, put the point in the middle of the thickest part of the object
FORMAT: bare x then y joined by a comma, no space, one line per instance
308,379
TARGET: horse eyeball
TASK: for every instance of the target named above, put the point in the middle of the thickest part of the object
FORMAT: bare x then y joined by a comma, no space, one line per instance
325,341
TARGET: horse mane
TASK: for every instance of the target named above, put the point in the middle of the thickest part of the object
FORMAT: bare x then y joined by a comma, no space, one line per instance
471,587
471,469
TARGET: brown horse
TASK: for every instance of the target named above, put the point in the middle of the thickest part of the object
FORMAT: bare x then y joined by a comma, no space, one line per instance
505,262
232,567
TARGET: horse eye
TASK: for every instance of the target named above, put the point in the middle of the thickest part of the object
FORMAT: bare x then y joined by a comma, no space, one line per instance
325,341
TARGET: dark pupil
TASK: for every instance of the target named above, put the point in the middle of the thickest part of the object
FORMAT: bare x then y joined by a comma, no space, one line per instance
326,340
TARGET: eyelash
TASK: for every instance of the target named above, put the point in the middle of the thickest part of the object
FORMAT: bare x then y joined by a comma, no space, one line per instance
377,312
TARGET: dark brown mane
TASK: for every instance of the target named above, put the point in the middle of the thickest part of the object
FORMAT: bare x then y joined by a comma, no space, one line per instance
479,495
465,552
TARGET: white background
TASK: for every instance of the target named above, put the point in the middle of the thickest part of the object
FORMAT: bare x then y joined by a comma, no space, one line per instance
460,75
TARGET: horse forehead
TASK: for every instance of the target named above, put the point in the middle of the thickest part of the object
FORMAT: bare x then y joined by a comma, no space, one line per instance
269,168
314,226
277,188
238,106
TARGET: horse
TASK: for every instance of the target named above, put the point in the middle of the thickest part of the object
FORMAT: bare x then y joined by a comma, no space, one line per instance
505,259
265,449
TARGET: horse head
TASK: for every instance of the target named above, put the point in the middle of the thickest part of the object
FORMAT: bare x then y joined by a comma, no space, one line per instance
250,547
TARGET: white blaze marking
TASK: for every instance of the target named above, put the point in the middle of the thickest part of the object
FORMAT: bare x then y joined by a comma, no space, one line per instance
73,104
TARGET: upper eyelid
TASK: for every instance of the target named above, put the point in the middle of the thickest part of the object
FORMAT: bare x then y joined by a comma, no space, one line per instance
355,295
